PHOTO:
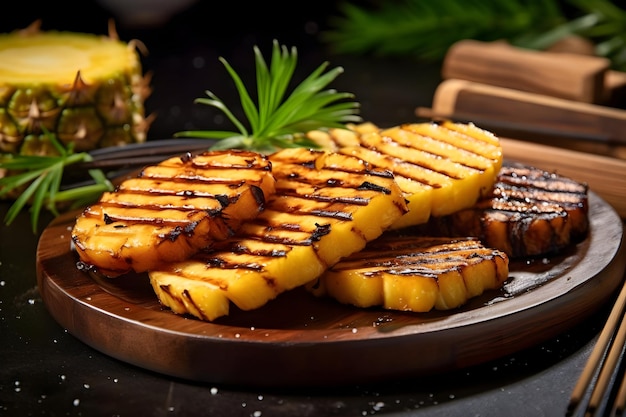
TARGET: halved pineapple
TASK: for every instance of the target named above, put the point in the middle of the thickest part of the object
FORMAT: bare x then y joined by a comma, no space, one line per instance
326,206
440,167
171,210
89,90
414,273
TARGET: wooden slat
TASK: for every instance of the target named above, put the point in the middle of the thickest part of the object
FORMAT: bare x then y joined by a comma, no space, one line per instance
596,126
568,76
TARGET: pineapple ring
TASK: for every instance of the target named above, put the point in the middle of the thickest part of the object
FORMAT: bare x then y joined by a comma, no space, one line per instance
413,273
441,167
326,206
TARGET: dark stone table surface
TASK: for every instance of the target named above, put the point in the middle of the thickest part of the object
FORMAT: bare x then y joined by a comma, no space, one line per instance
44,370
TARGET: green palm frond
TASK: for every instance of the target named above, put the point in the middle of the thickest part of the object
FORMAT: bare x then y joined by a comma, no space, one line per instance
426,29
606,29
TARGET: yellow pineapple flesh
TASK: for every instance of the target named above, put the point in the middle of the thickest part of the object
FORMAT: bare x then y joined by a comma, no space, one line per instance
414,273
171,210
326,206
441,167
86,89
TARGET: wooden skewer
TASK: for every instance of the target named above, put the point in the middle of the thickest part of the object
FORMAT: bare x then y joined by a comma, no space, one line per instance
596,358
602,387
121,157
620,401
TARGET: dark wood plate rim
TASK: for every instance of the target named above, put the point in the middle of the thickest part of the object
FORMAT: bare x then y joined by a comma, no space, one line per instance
299,340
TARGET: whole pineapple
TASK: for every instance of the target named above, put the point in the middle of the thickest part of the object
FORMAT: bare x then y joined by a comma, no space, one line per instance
86,89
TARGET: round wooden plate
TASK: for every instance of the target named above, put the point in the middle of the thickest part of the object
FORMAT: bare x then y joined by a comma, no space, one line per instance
300,340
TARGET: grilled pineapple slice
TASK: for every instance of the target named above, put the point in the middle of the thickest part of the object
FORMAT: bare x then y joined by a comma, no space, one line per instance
440,167
326,206
171,210
529,212
413,273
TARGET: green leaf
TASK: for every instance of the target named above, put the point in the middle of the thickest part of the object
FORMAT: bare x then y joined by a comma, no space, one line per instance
426,29
217,103
282,70
22,200
277,116
38,180
231,142
39,196
13,182
246,101
207,134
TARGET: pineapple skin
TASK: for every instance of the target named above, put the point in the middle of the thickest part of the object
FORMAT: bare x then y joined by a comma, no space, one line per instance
88,90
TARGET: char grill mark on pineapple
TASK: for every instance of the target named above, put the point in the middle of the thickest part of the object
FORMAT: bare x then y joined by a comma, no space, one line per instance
529,212
185,297
440,167
326,206
172,209
410,151
414,273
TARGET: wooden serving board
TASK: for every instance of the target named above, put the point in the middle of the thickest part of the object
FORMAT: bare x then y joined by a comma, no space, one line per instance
300,340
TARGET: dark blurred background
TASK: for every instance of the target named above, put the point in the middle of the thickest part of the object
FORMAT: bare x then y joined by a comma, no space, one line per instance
185,41
185,44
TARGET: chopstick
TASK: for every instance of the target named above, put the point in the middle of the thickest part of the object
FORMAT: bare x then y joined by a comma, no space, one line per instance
141,154
116,159
603,362
620,401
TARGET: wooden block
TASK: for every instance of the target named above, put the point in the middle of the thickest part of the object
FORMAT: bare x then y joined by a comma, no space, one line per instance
615,88
591,122
563,75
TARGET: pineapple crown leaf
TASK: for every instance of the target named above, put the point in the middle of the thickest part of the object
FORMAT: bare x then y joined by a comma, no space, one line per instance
276,119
